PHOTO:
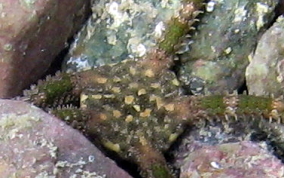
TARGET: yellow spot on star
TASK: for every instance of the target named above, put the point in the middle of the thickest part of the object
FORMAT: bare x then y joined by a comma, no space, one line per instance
132,70
83,98
149,73
146,113
101,80
133,85
103,116
155,85
143,140
97,96
137,107
109,96
128,99
141,92
116,89
152,98
158,100
112,146
129,118
173,137
170,107
175,82
116,113
116,79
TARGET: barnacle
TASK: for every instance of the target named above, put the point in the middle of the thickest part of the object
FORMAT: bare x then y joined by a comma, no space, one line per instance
136,108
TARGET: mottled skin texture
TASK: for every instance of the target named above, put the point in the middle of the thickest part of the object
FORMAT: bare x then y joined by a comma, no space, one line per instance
136,107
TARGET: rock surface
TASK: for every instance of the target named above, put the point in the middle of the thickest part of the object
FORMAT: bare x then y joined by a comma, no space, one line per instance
118,30
35,144
265,73
32,34
231,160
222,44
246,147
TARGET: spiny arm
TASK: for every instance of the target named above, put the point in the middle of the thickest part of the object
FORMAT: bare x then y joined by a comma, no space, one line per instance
152,162
234,105
180,25
257,114
55,91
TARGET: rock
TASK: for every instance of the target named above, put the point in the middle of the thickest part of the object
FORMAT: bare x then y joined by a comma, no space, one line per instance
234,160
32,34
265,73
243,147
36,144
119,30
223,41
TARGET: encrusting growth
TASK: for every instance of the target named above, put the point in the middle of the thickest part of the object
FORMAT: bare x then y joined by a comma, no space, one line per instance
136,108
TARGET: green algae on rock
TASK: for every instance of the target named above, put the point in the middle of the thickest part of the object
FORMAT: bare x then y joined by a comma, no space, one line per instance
225,37
264,74
128,29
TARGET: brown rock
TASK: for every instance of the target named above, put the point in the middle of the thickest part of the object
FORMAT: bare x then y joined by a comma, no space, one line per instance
36,144
265,73
32,33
